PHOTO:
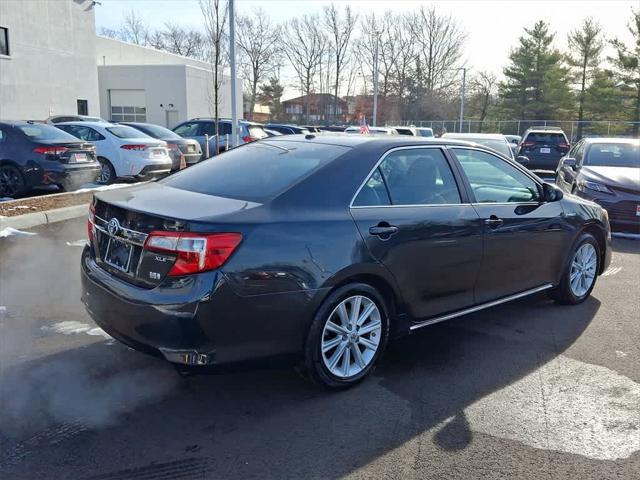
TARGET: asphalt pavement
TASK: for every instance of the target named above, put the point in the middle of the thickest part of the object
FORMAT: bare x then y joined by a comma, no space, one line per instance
524,390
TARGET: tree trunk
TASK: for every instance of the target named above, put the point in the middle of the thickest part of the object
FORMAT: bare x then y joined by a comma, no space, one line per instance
581,99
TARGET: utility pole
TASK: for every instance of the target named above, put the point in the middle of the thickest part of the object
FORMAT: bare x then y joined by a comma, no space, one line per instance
232,54
464,79
375,82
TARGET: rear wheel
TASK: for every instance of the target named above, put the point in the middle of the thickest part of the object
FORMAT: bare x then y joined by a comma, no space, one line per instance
347,336
12,182
581,271
107,172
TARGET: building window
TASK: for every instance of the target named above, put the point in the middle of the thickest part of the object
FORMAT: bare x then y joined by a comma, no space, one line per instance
83,107
128,114
4,41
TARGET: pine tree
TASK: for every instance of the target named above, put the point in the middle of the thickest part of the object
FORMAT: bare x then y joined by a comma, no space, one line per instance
270,95
627,71
536,85
585,46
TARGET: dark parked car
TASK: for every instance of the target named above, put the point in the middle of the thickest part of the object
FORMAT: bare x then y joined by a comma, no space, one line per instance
286,129
35,154
544,147
247,256
199,127
607,171
177,145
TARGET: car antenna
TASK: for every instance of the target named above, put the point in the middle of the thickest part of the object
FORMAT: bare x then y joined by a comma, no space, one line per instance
309,136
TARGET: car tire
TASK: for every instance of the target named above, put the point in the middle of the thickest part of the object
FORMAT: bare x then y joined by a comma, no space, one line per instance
12,183
580,272
107,172
341,359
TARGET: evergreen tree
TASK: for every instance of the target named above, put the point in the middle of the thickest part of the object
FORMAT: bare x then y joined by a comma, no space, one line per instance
536,85
627,71
585,48
270,95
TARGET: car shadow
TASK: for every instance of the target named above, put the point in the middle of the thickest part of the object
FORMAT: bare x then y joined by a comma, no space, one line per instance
625,245
128,415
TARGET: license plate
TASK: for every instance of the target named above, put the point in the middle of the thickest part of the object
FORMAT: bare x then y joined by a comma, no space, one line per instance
637,210
157,153
118,254
80,157
545,150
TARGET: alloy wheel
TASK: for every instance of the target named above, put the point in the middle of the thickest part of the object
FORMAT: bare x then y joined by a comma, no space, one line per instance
11,182
351,336
105,173
583,269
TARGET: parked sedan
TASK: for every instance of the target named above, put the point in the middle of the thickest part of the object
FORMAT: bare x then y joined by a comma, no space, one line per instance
607,171
286,129
178,147
495,141
123,152
246,256
34,154
199,128
368,130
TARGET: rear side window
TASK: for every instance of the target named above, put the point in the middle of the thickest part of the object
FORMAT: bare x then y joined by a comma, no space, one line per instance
418,176
546,138
189,129
38,133
256,171
83,133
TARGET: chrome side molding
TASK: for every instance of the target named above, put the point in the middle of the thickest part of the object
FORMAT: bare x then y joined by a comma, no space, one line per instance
482,306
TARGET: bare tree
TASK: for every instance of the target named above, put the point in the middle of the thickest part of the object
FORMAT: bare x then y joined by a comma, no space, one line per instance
133,29
258,42
215,20
304,46
483,89
340,29
187,42
440,42
585,47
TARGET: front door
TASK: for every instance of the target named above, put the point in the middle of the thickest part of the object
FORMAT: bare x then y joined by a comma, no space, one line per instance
523,235
416,221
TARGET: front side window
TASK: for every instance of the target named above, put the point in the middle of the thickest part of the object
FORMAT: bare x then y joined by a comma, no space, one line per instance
494,180
122,131
4,41
84,133
419,176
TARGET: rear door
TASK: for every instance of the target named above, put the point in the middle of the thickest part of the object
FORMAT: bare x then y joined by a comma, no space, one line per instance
523,236
417,221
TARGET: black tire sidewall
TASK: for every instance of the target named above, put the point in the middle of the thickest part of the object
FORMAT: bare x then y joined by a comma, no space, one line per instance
564,294
313,362
112,172
23,186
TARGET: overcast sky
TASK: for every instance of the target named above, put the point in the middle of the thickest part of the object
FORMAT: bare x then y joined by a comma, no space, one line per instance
493,26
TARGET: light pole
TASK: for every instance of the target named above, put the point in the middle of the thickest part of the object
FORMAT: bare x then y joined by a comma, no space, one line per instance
232,54
464,79
375,81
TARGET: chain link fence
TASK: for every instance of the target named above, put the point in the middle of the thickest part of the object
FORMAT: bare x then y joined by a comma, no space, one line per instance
601,128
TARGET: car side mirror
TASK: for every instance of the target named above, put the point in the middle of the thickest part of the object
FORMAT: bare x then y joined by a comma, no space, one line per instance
570,162
522,160
551,193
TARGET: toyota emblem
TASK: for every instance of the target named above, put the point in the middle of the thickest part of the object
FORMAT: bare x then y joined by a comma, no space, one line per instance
113,226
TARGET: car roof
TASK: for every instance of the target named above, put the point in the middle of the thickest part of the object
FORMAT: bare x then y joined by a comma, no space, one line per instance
390,141
628,140
488,136
89,124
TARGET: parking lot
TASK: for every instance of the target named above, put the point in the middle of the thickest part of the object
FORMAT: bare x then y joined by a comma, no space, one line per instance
524,390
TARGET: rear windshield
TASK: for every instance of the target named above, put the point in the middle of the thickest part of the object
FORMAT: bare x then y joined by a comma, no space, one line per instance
157,131
39,133
613,155
257,131
425,132
497,145
546,138
123,131
256,171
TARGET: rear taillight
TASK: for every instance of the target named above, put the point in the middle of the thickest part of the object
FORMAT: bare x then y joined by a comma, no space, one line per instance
50,150
195,252
249,138
564,146
91,222
528,144
136,147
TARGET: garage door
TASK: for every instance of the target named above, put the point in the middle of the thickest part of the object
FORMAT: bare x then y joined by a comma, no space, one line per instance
128,106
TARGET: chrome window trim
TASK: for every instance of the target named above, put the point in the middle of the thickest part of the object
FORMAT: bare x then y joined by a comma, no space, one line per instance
382,159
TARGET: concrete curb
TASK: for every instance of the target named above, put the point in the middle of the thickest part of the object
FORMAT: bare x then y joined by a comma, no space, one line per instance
29,220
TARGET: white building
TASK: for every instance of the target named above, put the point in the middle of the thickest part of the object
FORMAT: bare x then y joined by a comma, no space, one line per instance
55,64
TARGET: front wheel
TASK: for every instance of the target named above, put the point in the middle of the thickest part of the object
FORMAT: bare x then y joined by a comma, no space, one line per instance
580,273
347,336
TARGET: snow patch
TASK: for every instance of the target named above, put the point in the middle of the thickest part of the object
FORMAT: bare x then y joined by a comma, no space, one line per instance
72,327
5,232
77,243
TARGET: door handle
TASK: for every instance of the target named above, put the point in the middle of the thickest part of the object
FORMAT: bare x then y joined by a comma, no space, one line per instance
493,221
383,230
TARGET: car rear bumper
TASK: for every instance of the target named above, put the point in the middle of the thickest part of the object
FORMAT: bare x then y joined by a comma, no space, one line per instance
154,170
196,319
70,176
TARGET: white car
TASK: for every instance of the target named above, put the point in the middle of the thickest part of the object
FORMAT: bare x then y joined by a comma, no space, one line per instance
372,130
122,151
